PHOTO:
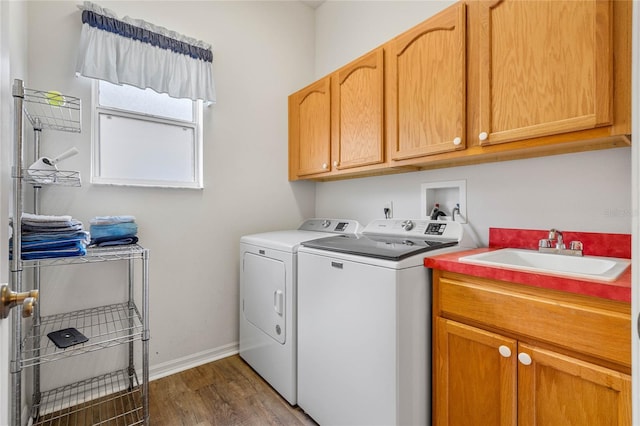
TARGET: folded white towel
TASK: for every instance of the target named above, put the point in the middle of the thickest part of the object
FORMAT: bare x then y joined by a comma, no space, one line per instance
45,218
112,220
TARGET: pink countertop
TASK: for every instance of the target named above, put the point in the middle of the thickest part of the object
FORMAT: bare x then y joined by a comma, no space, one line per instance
610,245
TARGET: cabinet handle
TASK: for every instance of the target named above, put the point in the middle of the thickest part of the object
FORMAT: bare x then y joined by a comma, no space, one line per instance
504,351
483,136
335,164
525,359
457,141
324,166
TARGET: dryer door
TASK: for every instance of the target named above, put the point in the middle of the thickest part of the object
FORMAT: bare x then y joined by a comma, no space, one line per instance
264,294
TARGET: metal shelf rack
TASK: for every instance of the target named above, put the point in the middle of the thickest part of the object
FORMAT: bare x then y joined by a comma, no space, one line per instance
39,177
115,398
105,326
52,110
94,255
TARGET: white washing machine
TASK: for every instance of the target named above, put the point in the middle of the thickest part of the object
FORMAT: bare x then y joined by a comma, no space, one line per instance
364,322
268,294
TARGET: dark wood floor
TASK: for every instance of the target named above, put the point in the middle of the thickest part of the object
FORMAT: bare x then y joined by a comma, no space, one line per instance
225,392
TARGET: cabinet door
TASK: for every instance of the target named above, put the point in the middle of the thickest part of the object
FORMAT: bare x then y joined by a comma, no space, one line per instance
426,87
555,389
357,112
545,67
474,376
310,129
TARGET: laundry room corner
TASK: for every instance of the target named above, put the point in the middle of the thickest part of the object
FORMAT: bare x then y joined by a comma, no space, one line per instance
192,235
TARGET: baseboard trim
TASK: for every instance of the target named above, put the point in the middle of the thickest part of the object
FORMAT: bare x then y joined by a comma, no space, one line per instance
190,361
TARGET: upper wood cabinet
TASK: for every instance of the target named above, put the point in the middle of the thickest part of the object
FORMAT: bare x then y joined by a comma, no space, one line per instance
357,112
426,78
310,130
337,123
480,81
545,67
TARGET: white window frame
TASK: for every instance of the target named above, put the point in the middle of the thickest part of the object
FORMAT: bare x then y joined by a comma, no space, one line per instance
98,110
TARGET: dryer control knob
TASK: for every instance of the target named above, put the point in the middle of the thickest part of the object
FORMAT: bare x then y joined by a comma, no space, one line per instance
407,225
326,223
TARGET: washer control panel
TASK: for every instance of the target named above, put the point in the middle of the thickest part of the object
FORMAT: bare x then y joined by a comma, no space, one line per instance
415,228
435,228
336,226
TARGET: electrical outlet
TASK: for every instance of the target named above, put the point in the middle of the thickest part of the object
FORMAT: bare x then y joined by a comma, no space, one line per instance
388,210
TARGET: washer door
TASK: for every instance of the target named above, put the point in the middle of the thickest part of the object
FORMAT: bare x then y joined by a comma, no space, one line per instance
264,294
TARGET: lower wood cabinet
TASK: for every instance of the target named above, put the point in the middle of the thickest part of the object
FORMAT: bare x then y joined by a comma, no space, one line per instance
473,383
485,373
555,389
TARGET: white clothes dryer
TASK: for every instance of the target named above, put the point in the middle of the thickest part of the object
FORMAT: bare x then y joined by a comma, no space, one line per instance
268,299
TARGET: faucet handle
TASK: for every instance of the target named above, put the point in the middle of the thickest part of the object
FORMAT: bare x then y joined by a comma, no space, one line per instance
576,245
544,243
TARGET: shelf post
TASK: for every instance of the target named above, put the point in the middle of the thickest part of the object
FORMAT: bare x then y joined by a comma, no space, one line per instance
16,259
145,335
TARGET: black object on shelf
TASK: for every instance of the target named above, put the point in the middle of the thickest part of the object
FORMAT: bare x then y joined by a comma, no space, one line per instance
67,337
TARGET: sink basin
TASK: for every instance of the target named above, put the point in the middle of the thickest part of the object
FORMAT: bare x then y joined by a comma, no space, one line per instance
590,267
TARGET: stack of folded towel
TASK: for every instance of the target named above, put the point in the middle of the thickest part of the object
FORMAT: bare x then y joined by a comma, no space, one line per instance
51,236
113,230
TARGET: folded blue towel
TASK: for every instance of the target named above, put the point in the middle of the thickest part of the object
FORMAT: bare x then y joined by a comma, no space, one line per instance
52,236
116,230
51,244
77,249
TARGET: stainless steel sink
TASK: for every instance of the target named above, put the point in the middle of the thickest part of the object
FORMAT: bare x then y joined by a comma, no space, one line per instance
591,267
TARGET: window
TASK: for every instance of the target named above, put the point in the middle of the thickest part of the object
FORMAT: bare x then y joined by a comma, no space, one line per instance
143,138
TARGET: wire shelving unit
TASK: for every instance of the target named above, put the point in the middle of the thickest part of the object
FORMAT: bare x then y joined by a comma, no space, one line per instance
116,398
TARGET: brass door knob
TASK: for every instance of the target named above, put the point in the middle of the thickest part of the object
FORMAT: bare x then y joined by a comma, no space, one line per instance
10,299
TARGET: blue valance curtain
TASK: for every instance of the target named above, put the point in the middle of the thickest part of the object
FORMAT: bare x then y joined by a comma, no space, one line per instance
138,53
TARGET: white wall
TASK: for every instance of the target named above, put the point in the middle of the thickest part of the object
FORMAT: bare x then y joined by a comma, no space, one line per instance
263,51
578,192
347,29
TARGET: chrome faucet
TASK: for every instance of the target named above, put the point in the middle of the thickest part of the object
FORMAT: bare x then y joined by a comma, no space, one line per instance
554,243
555,235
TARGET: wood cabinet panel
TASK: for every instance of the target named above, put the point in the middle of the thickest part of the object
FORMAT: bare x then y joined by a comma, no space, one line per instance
310,129
542,316
358,112
545,68
507,354
559,390
426,98
475,384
